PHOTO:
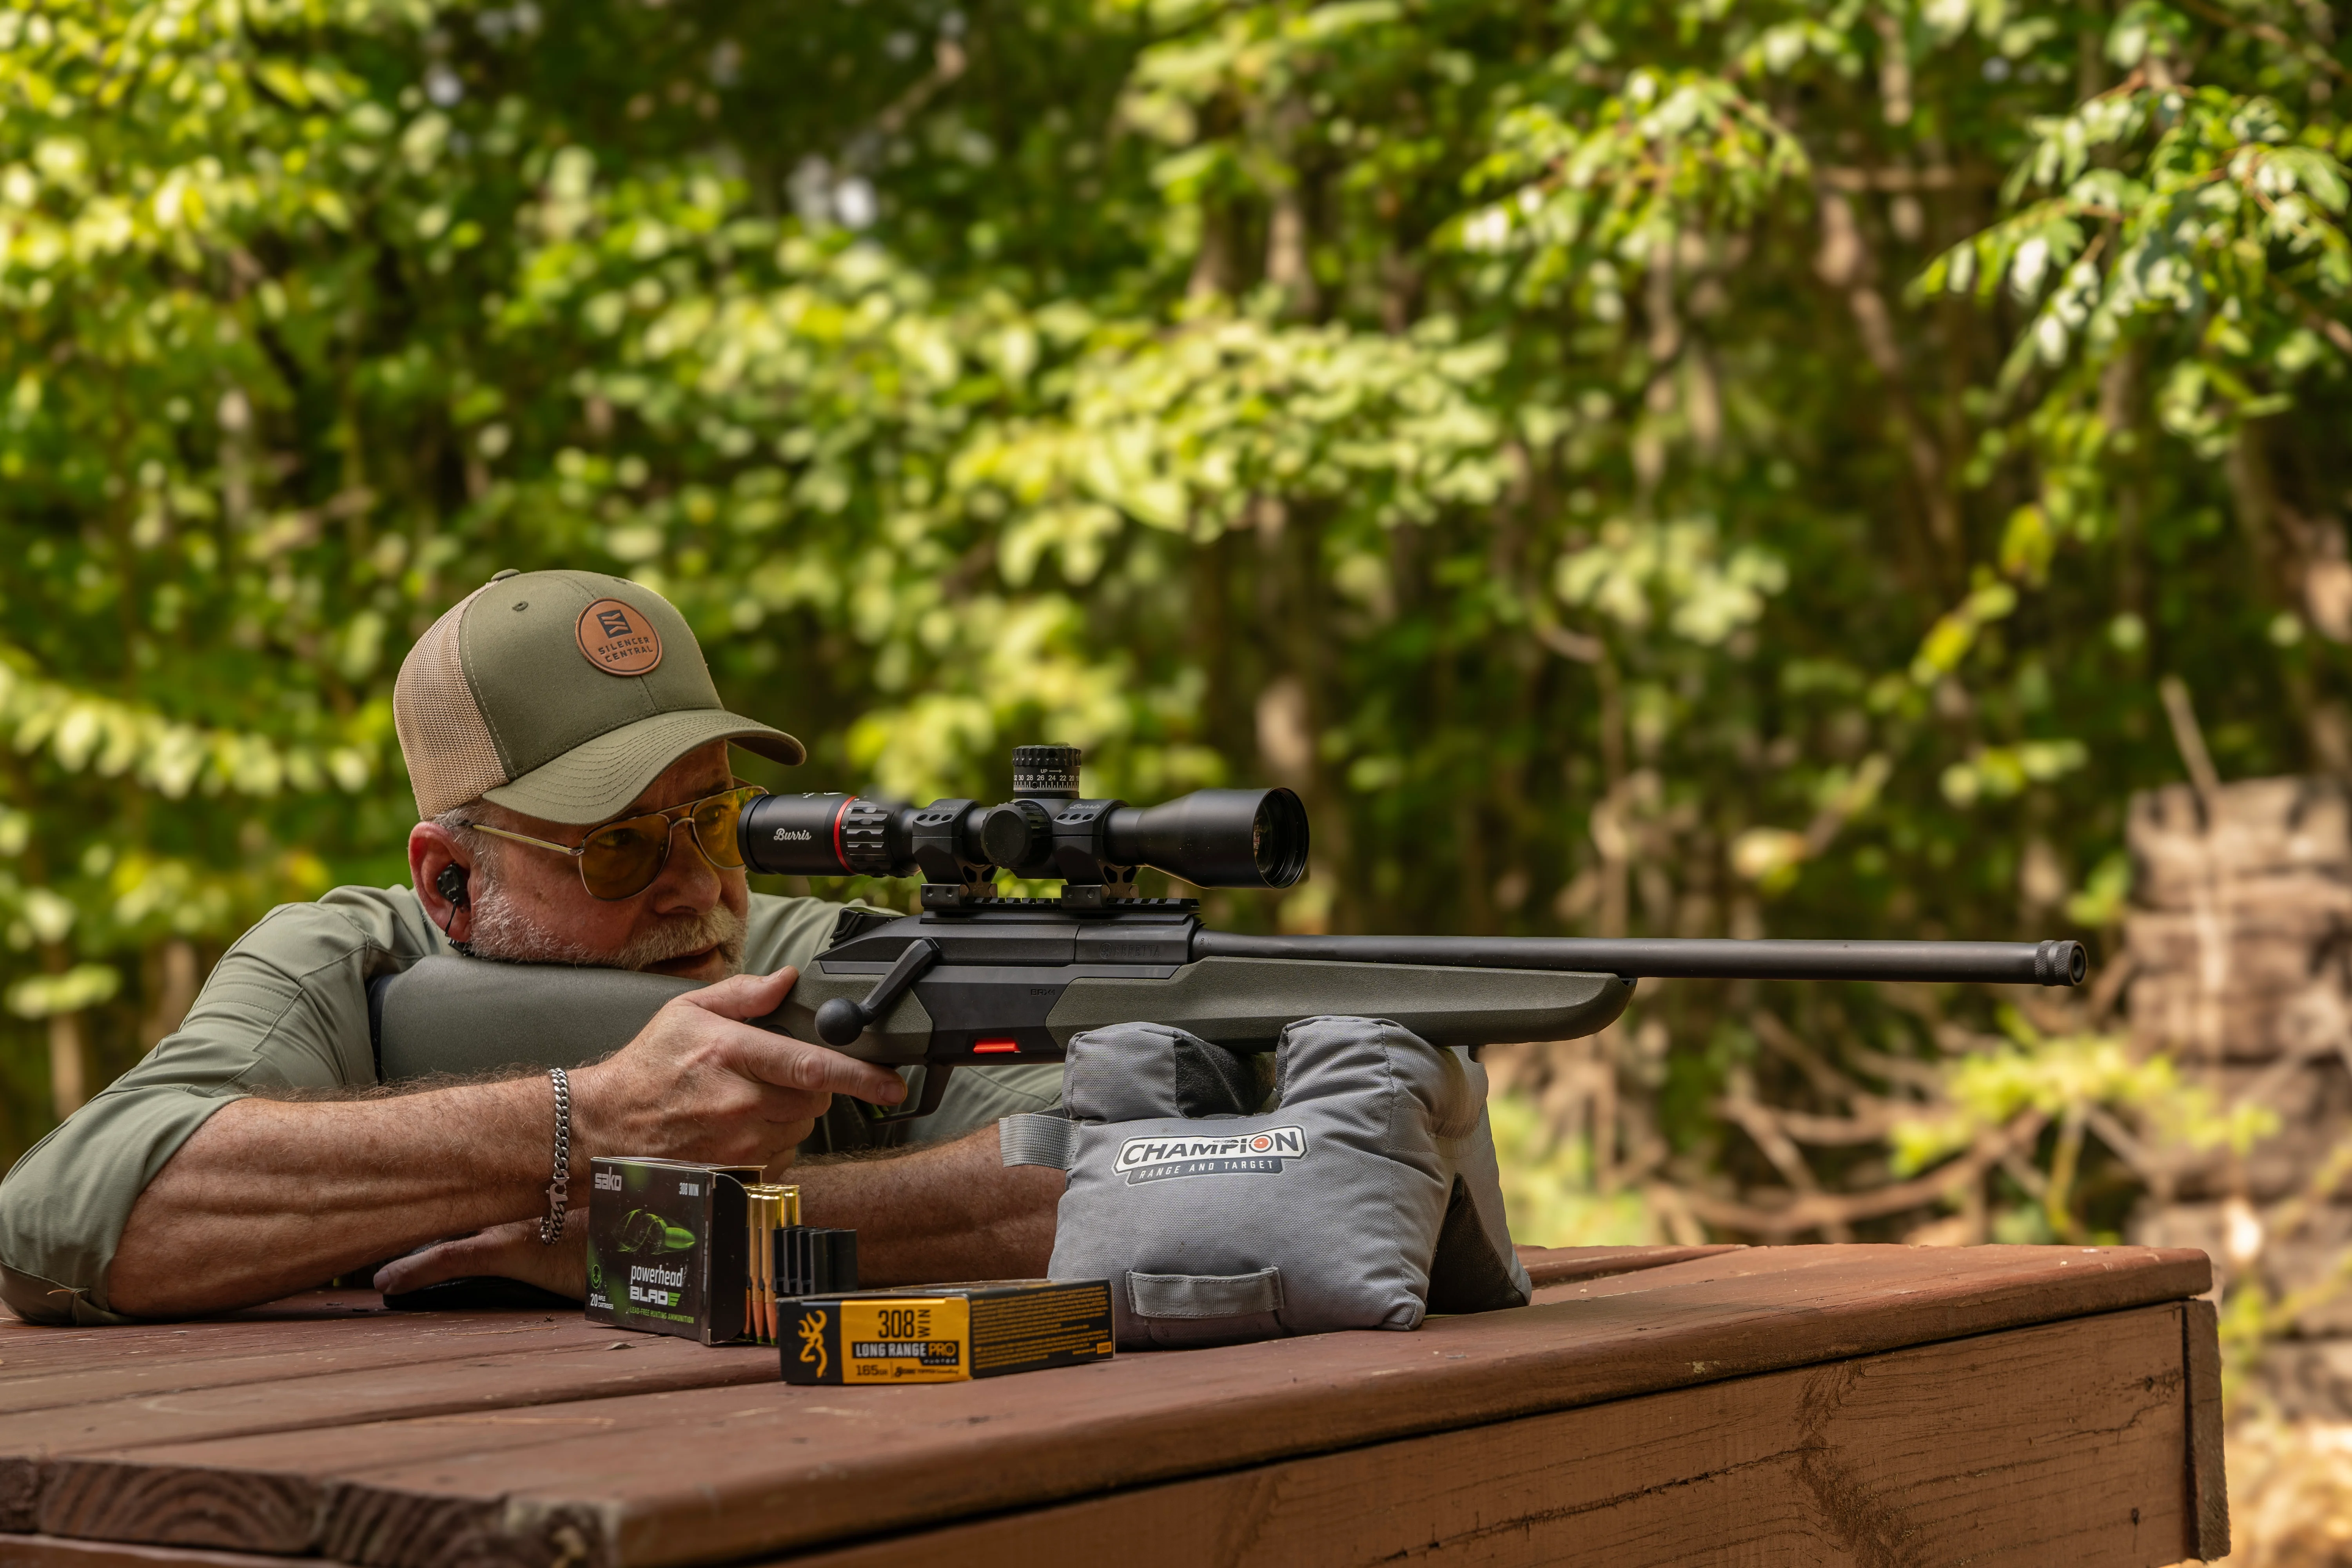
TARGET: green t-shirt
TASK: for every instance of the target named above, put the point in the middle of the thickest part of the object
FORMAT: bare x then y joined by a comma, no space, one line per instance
287,1009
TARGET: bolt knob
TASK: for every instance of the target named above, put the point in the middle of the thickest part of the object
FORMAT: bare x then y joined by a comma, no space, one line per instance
841,1021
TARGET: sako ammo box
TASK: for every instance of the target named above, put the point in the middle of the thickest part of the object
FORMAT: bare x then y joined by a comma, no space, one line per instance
702,1251
668,1248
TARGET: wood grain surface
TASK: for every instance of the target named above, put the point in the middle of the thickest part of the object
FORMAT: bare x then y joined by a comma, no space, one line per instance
102,1389
2209,1489
334,1358
703,1475
2054,1445
56,1552
1562,1265
347,1315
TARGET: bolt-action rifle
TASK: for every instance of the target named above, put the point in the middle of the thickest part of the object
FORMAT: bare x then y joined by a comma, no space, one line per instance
976,980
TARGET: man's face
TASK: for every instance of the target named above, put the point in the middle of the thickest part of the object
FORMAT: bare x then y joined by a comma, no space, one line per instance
533,905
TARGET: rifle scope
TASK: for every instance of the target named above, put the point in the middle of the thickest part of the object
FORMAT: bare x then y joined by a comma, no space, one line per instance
1211,838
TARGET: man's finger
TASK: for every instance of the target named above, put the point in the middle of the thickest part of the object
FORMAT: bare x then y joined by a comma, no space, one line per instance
744,996
449,1260
796,1064
791,1116
511,1251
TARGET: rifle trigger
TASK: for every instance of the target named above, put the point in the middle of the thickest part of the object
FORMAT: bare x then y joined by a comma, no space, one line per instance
935,1089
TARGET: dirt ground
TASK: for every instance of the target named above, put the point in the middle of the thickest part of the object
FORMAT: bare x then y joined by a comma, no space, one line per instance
2290,1494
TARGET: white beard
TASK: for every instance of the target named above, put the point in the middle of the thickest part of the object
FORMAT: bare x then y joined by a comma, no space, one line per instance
503,929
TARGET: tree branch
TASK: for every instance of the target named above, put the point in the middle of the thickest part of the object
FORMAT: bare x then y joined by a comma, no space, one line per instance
2265,32
1809,1211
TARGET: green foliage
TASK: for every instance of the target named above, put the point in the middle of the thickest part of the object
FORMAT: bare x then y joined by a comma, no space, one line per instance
1707,467
1549,1190
2066,1078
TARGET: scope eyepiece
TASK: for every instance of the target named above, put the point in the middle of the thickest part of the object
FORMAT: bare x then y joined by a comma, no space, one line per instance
816,835
1211,838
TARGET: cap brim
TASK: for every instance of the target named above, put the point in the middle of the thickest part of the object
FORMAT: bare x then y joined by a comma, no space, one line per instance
599,780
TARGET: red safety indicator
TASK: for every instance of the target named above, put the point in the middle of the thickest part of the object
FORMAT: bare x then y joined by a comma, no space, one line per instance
994,1047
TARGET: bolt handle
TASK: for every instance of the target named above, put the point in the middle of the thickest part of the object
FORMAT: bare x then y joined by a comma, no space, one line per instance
841,1020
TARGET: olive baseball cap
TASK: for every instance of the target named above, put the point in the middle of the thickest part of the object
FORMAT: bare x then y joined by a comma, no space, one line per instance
560,695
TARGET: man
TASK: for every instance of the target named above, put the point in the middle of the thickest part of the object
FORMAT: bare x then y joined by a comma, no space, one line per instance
569,755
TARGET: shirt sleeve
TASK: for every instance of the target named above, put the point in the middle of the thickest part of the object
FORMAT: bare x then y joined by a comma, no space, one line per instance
285,1009
792,931
982,1097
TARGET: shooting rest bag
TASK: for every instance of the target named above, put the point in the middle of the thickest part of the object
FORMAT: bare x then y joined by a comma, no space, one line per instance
1367,1197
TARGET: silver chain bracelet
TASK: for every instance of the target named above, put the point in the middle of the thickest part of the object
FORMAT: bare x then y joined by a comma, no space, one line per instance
558,1191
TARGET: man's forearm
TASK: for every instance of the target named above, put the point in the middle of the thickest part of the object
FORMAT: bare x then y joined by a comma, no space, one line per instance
270,1196
952,1211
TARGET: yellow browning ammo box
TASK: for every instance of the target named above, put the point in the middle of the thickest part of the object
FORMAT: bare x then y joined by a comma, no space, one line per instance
945,1333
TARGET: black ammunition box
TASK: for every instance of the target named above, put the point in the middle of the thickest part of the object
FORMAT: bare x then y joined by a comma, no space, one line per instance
668,1247
945,1333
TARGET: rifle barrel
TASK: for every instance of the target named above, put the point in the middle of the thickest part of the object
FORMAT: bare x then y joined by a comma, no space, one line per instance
2057,962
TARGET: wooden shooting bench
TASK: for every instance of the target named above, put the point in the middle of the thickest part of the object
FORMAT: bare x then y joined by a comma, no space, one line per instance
1657,1406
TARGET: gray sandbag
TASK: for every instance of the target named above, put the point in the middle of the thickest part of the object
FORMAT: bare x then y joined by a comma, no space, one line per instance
1366,1198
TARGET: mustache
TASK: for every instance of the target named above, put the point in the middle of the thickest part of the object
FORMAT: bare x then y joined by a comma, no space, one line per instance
505,929
717,927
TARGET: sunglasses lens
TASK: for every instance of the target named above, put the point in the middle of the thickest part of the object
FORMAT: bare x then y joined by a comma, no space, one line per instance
714,827
622,858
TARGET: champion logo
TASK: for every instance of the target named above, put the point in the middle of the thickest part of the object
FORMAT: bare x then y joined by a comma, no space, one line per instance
1164,1158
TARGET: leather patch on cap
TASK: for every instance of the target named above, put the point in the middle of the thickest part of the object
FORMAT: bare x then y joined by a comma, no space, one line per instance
617,639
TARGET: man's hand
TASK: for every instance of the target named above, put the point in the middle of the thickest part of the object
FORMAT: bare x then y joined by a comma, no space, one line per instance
509,1251
699,1083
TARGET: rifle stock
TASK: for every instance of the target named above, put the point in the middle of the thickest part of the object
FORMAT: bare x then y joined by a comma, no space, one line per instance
459,1016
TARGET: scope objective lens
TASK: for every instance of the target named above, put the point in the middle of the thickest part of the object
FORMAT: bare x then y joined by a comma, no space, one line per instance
1216,837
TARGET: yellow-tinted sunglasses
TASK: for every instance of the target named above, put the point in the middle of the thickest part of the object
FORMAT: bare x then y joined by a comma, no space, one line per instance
620,859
